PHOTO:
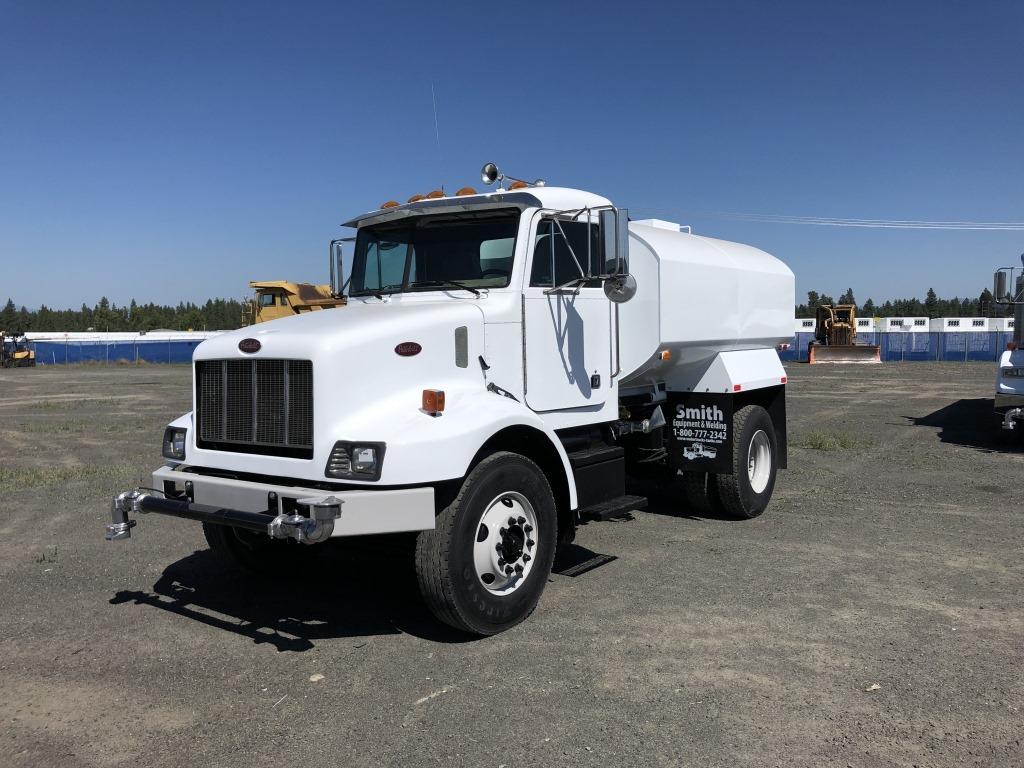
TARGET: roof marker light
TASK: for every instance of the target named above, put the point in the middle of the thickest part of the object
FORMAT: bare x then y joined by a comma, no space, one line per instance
435,194
737,387
415,198
465,191
390,204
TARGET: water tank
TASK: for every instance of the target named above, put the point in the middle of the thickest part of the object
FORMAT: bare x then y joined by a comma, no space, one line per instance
698,296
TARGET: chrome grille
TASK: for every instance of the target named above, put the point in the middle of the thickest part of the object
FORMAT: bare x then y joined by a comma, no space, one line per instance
255,406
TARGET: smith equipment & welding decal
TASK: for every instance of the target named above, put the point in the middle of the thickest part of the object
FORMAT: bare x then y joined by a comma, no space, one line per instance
700,439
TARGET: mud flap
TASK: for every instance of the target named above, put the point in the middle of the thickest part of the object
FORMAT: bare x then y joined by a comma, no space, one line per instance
700,431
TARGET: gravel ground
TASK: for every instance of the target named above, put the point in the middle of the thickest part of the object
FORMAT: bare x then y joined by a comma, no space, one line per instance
873,616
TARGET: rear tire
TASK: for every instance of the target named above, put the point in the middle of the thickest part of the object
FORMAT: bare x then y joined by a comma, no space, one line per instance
452,560
745,493
254,553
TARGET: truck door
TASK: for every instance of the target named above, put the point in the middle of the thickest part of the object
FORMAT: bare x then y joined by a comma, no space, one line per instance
568,332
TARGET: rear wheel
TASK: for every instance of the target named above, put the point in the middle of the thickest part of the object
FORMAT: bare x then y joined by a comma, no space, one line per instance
254,553
484,565
746,492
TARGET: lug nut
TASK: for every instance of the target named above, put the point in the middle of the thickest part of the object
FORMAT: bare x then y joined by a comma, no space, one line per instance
508,570
530,542
528,528
519,569
503,531
497,547
501,562
527,558
521,520
511,521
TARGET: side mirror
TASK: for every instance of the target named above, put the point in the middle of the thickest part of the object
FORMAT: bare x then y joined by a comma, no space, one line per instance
999,286
337,267
615,236
620,289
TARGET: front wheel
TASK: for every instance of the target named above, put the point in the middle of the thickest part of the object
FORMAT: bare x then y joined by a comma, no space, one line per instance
484,565
745,492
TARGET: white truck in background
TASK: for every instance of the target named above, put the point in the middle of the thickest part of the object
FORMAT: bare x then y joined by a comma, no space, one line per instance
1009,395
504,361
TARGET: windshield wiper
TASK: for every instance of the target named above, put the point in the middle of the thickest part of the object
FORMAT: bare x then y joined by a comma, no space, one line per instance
452,283
378,293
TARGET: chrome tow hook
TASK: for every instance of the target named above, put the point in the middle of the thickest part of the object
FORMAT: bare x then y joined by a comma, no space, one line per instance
314,529
120,525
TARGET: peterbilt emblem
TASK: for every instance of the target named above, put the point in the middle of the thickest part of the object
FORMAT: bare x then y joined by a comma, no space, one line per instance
408,349
249,346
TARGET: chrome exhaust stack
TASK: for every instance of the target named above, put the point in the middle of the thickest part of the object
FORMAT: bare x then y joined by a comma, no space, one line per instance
314,529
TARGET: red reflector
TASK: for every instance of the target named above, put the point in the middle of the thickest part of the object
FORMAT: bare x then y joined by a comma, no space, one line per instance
784,379
433,401
737,387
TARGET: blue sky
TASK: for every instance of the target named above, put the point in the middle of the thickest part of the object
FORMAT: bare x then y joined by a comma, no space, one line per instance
168,151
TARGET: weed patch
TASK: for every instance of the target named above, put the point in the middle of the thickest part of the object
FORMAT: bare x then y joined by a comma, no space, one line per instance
828,441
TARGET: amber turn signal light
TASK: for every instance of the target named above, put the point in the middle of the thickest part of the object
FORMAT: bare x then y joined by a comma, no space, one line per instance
433,401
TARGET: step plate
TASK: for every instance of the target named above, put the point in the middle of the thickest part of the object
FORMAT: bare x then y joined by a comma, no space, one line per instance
613,508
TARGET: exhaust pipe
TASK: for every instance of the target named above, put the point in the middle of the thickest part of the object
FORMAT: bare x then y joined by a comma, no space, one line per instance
314,529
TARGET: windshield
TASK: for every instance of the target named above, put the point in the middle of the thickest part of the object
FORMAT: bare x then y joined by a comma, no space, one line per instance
460,251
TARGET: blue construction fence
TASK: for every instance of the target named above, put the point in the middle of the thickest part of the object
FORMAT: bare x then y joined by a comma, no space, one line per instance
983,346
115,352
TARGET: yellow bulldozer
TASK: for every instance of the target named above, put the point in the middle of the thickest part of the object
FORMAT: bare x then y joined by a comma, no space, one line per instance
274,299
835,337
16,350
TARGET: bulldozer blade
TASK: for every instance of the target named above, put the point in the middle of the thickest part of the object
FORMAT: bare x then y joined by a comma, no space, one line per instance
852,353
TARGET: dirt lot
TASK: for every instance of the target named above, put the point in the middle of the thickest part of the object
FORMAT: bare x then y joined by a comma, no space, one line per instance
874,616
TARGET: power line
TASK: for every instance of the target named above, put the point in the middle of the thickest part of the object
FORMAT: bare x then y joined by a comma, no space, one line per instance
833,221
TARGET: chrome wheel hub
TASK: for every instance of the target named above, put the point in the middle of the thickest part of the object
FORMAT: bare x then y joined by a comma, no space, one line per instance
759,461
506,543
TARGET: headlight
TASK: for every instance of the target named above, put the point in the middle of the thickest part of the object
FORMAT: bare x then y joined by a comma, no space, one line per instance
1017,373
174,443
355,461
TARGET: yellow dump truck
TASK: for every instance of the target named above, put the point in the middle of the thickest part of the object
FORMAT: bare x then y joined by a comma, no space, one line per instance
280,298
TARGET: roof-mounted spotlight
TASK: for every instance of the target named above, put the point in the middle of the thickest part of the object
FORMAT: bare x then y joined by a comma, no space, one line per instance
490,174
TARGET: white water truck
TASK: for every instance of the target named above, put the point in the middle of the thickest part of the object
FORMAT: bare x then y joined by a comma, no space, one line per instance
1009,395
505,360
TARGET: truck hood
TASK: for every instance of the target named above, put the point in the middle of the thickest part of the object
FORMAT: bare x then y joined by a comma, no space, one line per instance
367,329
363,390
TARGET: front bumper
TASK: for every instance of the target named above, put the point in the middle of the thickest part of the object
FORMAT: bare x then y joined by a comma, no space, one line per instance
283,511
1004,402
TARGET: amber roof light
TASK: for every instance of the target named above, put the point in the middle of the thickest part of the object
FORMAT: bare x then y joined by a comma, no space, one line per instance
390,204
465,191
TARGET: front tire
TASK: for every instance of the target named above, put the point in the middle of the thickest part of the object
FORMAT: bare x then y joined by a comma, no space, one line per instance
745,493
483,567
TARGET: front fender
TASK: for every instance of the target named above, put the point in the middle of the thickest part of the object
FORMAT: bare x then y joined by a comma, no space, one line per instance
424,449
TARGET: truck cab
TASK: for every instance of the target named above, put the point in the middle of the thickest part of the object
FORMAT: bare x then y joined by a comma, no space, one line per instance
504,361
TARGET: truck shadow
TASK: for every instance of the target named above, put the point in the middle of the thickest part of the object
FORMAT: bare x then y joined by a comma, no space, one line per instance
969,422
669,499
348,594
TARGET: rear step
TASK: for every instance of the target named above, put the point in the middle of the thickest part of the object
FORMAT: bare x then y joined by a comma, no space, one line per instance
613,508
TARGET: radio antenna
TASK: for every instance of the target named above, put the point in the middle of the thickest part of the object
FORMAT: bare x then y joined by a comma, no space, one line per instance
437,132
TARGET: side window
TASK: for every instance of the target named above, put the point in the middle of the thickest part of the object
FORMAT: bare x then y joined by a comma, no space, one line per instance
553,262
385,263
266,299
